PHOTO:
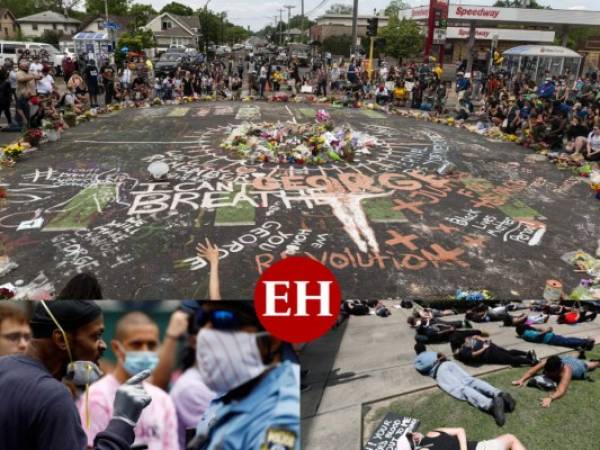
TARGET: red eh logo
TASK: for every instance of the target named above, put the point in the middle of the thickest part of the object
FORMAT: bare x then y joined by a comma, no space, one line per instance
297,299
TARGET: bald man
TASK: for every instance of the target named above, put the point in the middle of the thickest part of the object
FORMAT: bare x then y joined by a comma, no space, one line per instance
135,343
14,330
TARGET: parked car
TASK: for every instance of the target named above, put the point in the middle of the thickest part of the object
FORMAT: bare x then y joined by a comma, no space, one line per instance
169,62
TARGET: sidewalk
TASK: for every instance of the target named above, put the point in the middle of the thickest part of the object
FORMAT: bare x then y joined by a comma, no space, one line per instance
370,359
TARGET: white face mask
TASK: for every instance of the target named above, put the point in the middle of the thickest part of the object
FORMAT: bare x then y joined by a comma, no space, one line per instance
228,359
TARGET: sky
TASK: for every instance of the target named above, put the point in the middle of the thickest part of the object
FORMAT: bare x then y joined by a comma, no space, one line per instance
258,13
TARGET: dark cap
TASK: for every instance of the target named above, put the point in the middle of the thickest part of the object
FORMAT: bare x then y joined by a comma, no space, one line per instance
70,314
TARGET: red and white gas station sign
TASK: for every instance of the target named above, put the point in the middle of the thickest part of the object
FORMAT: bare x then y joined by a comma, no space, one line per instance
474,12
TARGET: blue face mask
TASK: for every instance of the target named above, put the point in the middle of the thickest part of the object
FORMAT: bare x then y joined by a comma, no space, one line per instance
136,362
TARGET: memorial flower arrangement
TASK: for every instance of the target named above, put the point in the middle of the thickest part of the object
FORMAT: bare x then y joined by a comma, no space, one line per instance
33,136
293,143
13,151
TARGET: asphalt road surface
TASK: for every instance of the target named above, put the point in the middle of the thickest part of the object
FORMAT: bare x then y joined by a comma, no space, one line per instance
387,224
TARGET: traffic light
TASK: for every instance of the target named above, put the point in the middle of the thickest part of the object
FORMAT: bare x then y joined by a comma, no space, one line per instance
372,24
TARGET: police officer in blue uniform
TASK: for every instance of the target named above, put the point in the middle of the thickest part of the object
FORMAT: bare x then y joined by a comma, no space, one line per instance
258,402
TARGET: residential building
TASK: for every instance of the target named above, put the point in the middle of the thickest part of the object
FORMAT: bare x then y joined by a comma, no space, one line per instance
96,24
340,24
173,30
35,25
9,28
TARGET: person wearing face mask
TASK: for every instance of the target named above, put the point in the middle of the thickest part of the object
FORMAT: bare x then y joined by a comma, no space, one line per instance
135,344
258,391
37,411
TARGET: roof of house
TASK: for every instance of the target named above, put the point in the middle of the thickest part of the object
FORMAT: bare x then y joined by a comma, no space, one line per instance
123,21
3,11
48,17
172,32
188,21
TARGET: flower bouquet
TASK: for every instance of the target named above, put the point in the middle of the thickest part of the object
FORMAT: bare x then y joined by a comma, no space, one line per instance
33,136
2,197
13,151
52,130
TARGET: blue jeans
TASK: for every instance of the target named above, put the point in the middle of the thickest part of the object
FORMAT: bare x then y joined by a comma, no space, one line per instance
453,379
563,341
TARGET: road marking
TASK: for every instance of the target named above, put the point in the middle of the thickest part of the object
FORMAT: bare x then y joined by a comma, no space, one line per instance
291,114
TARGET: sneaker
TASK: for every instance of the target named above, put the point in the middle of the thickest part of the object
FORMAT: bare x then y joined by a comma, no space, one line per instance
590,345
497,411
533,357
509,402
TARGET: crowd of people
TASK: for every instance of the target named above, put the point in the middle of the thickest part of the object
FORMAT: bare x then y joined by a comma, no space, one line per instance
475,347
233,386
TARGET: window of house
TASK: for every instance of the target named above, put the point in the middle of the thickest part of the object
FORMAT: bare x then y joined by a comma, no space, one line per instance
166,25
34,27
54,26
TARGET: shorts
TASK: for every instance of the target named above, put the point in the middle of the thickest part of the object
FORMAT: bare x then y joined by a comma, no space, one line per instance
494,444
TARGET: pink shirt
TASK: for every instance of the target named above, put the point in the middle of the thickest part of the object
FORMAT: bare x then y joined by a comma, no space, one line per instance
157,427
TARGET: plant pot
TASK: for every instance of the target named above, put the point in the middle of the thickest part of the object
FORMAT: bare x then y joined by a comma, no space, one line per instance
52,135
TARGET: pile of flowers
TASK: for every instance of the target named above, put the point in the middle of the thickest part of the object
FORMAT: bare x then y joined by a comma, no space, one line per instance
13,151
292,143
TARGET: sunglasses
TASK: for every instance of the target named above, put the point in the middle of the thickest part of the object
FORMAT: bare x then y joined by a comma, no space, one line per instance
222,319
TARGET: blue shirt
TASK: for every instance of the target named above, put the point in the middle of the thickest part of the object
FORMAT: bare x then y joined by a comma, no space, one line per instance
268,417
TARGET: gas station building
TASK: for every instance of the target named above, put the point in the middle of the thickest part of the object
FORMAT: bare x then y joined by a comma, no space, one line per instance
473,26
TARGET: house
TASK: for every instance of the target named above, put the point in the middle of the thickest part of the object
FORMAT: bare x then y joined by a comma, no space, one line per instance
97,23
339,25
35,25
9,28
173,30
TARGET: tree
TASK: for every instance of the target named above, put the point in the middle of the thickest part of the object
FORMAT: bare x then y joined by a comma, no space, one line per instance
394,7
339,8
403,38
178,9
531,4
140,15
51,37
135,42
22,8
337,45
116,7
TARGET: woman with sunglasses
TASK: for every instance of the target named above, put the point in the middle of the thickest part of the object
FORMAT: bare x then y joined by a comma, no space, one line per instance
455,439
258,390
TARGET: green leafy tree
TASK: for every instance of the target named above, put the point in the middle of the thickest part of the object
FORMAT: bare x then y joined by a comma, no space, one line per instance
116,7
394,7
22,8
531,4
140,15
178,9
337,45
135,42
403,38
339,8
51,37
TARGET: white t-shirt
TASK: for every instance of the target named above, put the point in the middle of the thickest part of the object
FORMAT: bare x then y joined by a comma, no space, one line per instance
594,140
45,85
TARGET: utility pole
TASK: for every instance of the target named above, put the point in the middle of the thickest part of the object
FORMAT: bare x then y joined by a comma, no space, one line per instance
276,28
354,27
302,19
205,27
289,8
279,27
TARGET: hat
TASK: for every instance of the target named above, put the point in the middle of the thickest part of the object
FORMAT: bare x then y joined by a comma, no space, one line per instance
70,314
425,361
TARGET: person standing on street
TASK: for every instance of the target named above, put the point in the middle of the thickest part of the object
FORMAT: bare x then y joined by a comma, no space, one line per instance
108,79
38,411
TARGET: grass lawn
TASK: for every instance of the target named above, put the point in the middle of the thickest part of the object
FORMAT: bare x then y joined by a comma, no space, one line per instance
573,422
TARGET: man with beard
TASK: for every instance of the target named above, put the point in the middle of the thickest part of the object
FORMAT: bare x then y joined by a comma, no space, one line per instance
37,410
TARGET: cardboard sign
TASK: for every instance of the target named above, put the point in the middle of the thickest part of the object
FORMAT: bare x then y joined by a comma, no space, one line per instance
387,433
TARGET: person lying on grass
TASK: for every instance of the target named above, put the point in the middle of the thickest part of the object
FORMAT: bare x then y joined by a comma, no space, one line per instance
455,439
561,370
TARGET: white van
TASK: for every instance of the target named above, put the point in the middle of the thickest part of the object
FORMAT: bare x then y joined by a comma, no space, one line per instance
14,50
